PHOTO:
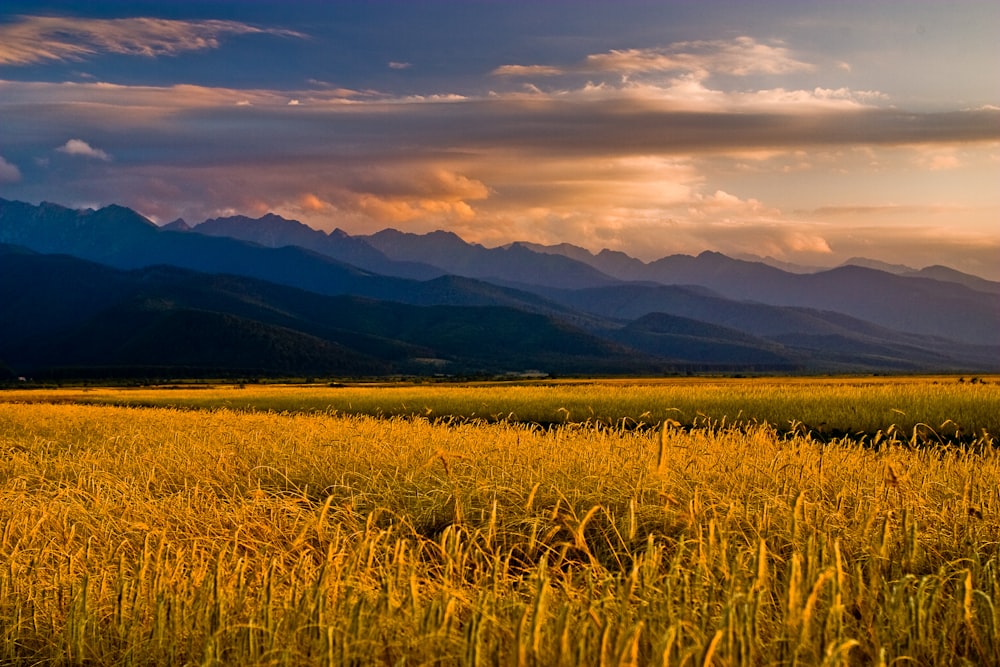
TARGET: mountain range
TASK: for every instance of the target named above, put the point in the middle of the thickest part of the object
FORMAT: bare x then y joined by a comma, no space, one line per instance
108,293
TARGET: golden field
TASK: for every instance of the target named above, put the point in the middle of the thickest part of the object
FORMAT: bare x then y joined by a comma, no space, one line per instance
939,408
273,525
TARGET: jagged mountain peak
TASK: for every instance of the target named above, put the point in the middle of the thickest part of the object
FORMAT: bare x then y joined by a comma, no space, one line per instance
878,264
178,225
266,219
918,304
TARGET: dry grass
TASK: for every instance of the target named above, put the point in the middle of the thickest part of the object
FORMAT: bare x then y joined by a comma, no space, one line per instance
931,409
156,536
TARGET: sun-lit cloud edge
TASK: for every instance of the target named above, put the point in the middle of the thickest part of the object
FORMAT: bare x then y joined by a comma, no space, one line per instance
740,56
80,148
673,116
37,39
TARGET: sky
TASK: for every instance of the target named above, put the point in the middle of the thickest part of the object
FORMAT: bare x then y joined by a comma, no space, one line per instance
809,132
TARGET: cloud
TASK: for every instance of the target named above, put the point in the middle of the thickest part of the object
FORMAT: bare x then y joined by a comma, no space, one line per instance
741,56
394,64
738,57
311,203
937,158
527,70
940,162
363,194
134,104
35,39
9,173
680,117
81,148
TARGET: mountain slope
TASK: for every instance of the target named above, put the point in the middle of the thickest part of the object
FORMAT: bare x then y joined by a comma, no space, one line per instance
119,237
812,336
918,305
516,263
164,318
273,231
685,340
949,275
814,332
963,308
935,301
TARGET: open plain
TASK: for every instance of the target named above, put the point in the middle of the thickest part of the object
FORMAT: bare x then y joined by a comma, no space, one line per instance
608,523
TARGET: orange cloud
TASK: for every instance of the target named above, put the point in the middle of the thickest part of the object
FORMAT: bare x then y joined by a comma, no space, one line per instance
35,39
313,204
387,210
741,56
527,70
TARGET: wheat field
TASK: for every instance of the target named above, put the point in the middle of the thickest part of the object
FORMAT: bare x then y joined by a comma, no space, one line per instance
935,409
143,536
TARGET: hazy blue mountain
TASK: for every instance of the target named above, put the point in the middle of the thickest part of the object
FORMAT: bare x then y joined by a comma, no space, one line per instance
514,264
936,301
949,275
963,308
790,267
691,341
610,262
59,312
936,272
102,321
273,231
846,318
837,339
912,304
122,238
178,225
523,265
878,265
85,233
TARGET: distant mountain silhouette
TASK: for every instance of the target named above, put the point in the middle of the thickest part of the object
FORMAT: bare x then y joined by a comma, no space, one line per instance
878,265
685,340
51,228
273,231
119,237
88,319
790,267
912,306
574,310
814,337
514,264
938,308
949,275
178,225
952,304
609,262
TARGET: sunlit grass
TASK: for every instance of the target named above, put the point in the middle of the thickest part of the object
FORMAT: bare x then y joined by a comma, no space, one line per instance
941,409
162,536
